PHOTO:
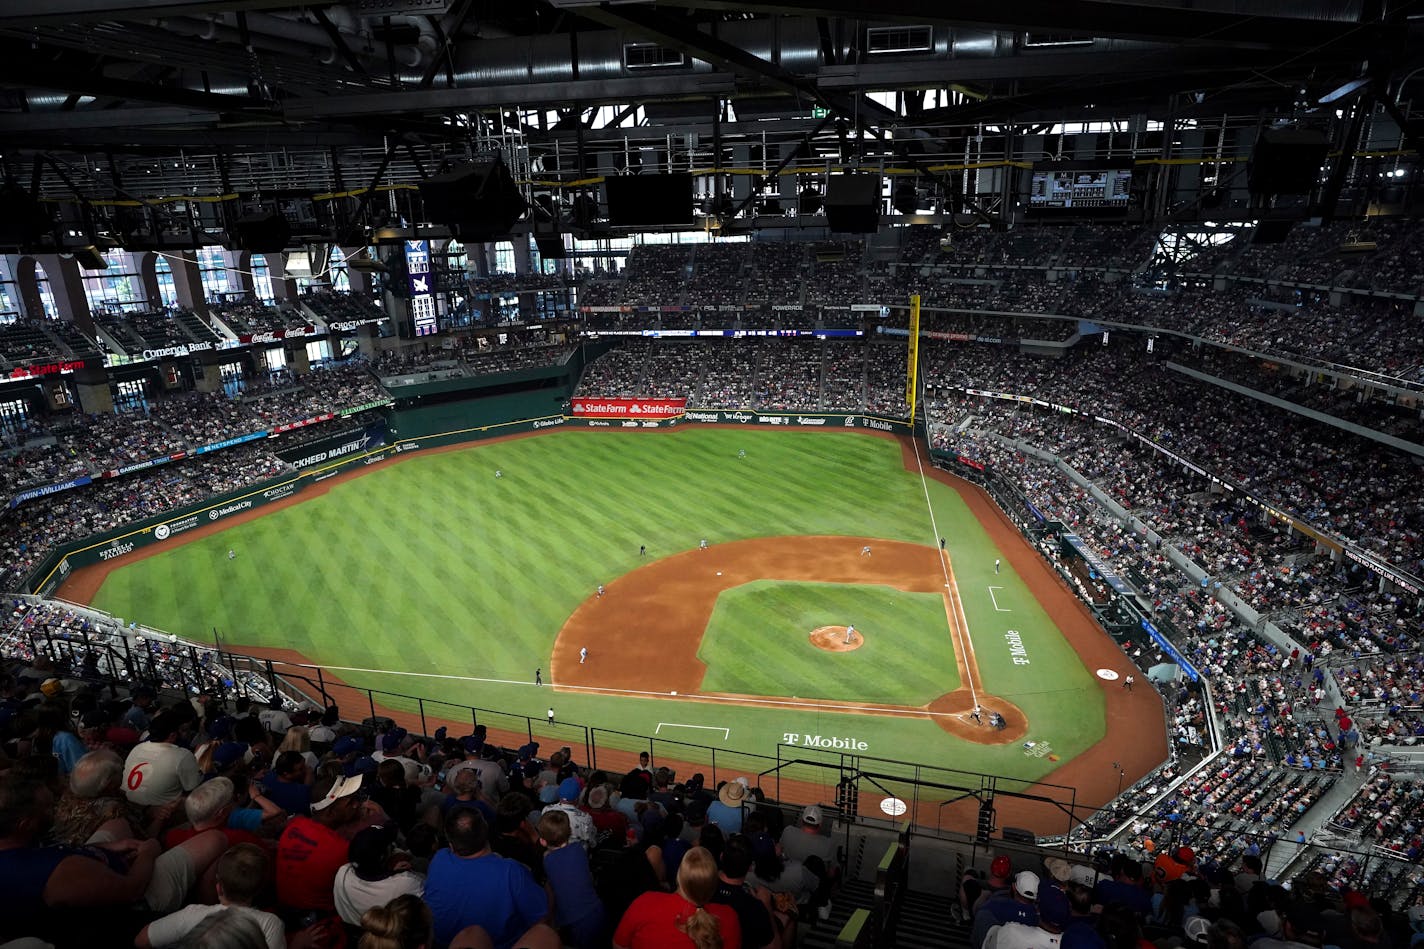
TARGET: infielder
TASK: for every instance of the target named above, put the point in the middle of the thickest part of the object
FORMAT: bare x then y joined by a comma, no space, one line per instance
583,655
865,551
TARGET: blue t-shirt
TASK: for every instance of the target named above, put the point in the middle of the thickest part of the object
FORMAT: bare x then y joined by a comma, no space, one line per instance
67,747
245,818
497,894
572,882
294,797
727,819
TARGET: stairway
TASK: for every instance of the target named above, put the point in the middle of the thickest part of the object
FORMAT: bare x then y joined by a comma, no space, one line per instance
925,920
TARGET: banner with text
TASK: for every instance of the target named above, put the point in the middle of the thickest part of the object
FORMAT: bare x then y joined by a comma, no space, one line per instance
628,408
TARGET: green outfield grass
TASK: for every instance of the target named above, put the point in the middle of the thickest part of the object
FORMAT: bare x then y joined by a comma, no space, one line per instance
433,566
758,643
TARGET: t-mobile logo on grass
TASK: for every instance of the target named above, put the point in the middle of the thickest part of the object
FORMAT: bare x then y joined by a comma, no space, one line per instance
821,741
1016,647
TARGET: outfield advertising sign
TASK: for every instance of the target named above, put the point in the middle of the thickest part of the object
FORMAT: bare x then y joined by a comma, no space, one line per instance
628,408
49,489
347,442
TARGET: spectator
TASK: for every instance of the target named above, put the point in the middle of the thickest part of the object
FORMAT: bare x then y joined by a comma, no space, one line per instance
578,912
580,822
44,889
470,885
288,784
160,770
762,926
311,850
686,917
726,811
241,874
377,874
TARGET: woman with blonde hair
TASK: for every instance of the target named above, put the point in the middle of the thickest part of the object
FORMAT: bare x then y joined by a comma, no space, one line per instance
403,923
684,919
298,739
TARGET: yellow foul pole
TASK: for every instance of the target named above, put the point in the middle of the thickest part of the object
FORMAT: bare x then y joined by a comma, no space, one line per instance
912,366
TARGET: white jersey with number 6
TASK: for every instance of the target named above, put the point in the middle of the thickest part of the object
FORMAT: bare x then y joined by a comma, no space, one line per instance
156,772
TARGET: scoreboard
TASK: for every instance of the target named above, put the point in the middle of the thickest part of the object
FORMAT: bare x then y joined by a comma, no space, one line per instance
1097,190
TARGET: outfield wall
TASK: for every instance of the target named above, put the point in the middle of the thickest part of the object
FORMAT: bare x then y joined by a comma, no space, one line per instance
324,458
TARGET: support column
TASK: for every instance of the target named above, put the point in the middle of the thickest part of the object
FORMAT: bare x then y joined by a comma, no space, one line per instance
188,283
284,286
67,287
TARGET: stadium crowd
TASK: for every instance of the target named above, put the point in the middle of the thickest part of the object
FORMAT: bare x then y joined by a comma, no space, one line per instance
171,819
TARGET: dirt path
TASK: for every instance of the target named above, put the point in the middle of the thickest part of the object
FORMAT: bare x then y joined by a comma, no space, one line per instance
1134,743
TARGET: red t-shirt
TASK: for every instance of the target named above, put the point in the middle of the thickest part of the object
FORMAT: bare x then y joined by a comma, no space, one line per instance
308,856
652,923
234,837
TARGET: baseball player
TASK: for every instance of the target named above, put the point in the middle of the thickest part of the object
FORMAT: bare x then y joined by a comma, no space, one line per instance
742,453
941,543
865,551
551,714
232,555
642,550
498,473
600,589
703,545
850,635
996,566
975,715
539,676
583,655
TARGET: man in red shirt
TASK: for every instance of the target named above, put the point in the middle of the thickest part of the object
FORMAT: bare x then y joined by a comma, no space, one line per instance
311,849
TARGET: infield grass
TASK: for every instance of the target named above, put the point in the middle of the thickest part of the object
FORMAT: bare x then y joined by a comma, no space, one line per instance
758,643
433,566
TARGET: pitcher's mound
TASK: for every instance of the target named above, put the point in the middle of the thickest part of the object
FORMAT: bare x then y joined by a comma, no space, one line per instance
833,639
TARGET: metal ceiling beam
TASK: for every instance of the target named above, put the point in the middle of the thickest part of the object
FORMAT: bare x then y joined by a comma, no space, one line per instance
21,69
687,38
81,11
1078,17
517,95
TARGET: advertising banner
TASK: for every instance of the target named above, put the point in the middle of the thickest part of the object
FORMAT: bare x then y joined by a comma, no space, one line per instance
350,442
45,491
1170,648
627,408
230,442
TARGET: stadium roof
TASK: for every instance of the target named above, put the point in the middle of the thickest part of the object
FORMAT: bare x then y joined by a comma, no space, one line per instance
206,97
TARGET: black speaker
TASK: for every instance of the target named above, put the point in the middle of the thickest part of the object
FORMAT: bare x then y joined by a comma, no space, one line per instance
549,238
1287,161
89,258
477,202
23,219
265,233
649,200
1271,232
853,203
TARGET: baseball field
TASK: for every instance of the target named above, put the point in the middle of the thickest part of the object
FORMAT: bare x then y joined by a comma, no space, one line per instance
430,576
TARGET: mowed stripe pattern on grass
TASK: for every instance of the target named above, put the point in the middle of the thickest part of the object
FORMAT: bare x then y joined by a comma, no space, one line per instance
758,643
432,565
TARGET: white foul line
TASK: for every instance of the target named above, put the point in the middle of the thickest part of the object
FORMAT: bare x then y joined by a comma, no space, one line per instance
832,707
726,732
960,640
996,600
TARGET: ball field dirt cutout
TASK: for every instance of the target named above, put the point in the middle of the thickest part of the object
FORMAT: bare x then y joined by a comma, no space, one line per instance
833,639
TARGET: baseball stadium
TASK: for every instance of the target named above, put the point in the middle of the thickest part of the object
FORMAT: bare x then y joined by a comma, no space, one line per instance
664,474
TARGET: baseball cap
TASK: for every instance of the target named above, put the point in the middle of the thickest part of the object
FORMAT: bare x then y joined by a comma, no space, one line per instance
390,741
328,791
1053,906
230,753
598,797
347,746
1058,868
1198,930
811,815
1001,867
1185,855
359,766
569,789
1026,883
52,687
